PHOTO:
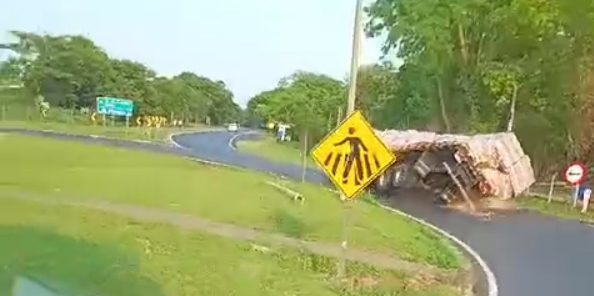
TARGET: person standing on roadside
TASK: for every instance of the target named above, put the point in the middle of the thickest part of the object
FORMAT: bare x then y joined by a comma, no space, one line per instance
585,192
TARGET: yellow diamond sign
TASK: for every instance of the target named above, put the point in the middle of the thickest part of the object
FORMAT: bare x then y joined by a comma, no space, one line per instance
352,155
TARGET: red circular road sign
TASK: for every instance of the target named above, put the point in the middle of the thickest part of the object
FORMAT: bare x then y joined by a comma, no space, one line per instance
575,173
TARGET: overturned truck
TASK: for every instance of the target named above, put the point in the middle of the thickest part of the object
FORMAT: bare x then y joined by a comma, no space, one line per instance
484,165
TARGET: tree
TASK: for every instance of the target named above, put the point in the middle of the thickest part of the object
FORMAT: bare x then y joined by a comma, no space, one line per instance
493,66
66,70
376,87
307,100
71,71
11,71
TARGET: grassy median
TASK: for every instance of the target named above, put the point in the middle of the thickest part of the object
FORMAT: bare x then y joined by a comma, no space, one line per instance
74,251
268,148
60,169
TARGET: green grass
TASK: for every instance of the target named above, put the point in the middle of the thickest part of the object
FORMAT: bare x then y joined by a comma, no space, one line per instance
68,121
268,148
121,132
74,251
555,208
80,171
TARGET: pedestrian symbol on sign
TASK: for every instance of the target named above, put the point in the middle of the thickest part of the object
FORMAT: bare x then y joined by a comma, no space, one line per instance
352,155
357,164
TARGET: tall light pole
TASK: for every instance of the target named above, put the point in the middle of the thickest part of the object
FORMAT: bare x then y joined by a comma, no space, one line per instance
355,58
350,109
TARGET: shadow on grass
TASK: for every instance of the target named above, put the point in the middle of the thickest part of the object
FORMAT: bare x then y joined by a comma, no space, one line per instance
289,224
68,267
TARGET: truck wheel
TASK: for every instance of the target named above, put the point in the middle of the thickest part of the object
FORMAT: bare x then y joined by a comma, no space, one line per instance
383,185
405,177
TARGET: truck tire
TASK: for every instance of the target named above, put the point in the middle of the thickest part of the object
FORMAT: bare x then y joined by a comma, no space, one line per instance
382,184
403,176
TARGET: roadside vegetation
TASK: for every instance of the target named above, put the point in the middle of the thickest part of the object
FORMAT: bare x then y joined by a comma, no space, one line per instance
158,135
16,113
92,252
87,172
556,207
70,72
268,148
463,67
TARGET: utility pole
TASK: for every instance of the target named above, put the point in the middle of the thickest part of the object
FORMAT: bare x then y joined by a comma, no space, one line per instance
350,109
355,59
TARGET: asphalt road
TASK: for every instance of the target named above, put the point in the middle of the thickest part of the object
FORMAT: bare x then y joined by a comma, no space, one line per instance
530,254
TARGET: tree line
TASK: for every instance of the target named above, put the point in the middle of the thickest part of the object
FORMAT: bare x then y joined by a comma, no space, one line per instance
468,66
72,71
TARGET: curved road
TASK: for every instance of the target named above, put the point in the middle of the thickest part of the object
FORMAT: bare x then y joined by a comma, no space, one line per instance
530,254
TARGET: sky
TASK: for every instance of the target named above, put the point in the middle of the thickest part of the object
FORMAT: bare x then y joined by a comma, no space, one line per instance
248,44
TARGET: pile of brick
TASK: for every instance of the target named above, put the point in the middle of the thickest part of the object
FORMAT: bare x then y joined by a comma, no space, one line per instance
496,160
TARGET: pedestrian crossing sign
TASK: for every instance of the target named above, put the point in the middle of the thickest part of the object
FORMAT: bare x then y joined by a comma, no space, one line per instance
352,155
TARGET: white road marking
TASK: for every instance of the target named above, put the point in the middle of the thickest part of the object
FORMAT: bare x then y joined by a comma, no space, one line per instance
491,280
230,143
176,144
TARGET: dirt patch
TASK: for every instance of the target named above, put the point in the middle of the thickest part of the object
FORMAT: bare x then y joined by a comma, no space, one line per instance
496,204
486,208
269,241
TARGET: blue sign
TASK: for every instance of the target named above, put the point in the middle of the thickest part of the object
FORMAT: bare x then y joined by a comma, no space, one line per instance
115,106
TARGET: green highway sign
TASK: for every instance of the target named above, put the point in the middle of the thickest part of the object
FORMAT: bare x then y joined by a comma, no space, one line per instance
115,106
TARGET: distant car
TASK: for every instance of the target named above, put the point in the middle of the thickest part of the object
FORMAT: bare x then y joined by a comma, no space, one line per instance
233,127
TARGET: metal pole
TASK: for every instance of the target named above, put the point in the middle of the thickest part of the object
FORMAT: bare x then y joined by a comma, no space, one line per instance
355,59
575,195
552,187
350,109
304,167
127,123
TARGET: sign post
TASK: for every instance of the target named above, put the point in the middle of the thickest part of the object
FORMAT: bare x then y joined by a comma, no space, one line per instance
93,118
108,106
356,52
575,175
127,123
352,156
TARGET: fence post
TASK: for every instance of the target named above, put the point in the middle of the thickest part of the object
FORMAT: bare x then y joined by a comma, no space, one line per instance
552,187
575,195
